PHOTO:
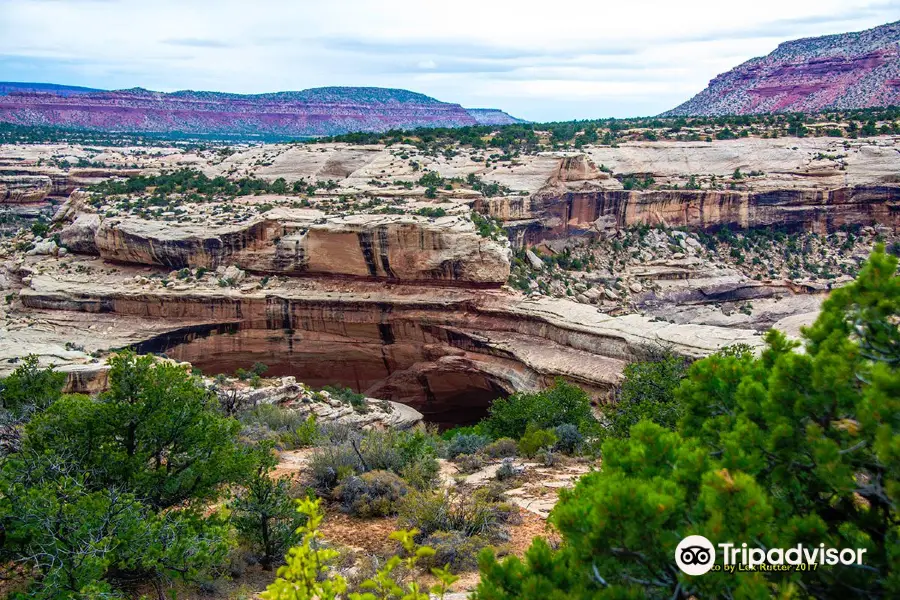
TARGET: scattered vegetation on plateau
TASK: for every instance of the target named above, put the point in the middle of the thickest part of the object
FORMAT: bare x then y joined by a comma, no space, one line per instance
528,138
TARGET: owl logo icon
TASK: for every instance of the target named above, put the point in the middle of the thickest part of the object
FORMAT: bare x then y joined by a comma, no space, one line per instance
695,555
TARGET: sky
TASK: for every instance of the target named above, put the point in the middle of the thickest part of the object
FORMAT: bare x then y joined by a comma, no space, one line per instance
539,61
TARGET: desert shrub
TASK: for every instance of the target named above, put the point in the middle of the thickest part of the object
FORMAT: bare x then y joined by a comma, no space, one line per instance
329,465
410,454
372,494
560,404
477,429
508,470
304,436
454,510
336,433
455,550
422,474
275,417
493,492
547,457
568,439
466,444
502,448
393,450
536,439
380,450
348,396
419,449
469,463
264,514
289,428
256,433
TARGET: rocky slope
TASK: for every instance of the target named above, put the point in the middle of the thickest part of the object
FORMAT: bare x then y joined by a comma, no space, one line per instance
850,70
313,112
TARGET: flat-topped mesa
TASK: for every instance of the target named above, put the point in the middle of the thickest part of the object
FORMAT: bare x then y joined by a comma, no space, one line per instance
384,247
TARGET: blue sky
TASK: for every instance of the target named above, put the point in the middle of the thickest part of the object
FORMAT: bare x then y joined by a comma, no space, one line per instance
537,60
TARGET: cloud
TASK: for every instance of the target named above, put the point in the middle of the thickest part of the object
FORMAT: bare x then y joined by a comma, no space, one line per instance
199,43
581,59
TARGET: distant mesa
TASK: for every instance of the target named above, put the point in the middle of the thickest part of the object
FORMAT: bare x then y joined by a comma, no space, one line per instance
492,116
843,71
306,113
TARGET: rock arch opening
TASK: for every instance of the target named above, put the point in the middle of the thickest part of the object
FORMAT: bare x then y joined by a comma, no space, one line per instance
449,386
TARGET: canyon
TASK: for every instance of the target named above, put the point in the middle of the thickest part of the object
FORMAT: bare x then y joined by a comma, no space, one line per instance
368,279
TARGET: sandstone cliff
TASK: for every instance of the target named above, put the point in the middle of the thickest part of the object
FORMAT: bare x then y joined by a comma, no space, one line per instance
24,189
389,247
555,213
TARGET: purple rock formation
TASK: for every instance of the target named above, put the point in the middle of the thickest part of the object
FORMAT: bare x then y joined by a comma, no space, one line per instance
492,116
844,71
313,112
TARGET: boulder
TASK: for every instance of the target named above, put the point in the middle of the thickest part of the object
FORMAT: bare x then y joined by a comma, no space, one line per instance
594,294
233,274
47,247
534,260
78,236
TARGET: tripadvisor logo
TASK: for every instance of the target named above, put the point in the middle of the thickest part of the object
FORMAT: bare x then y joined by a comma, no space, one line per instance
695,555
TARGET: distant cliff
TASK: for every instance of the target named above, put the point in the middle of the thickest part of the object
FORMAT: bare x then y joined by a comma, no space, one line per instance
844,71
492,116
313,112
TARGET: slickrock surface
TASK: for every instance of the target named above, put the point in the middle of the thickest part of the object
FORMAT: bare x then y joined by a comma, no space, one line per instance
323,406
848,70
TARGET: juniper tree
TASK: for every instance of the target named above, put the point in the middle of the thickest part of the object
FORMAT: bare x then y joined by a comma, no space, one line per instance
117,488
785,448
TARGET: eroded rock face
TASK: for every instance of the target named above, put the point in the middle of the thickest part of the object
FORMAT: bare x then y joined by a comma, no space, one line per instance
79,235
405,248
556,215
140,241
397,306
24,189
443,352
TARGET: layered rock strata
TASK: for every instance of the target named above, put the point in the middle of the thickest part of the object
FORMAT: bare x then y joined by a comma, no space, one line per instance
553,215
313,112
443,353
389,247
848,70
